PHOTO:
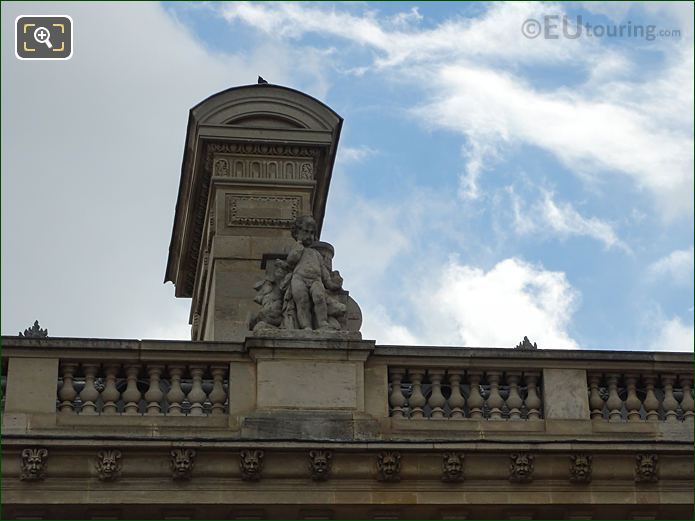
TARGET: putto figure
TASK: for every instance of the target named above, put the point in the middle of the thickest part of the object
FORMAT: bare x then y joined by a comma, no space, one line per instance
303,292
310,278
270,294
33,464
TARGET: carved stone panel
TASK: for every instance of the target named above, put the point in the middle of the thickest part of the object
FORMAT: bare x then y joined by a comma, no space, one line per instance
263,162
261,210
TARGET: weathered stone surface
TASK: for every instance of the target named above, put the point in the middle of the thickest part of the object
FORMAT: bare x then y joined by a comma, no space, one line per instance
565,394
283,384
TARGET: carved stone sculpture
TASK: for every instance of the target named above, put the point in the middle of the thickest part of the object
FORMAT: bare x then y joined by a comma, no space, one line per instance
108,464
35,331
320,464
521,468
580,468
270,294
251,464
526,345
452,467
182,462
645,468
304,292
33,464
388,464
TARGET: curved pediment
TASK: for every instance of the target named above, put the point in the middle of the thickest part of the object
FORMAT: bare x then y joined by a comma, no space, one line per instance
265,106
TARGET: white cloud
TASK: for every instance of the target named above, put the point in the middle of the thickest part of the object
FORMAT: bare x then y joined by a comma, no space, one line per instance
674,335
561,219
356,154
94,145
677,266
639,128
497,308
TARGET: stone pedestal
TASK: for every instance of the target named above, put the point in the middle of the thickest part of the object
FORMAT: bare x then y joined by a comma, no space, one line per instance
309,386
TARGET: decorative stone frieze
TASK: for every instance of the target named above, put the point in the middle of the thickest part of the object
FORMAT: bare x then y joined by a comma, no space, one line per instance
182,462
580,468
646,468
251,464
320,464
388,465
521,467
33,464
108,464
452,467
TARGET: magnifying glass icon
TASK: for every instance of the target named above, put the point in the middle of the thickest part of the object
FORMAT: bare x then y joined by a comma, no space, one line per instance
43,35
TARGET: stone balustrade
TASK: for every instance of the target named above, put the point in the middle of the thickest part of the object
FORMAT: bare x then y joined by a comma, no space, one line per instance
641,396
454,393
260,384
146,389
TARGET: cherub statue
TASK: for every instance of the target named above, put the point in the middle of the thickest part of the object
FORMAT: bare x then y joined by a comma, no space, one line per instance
310,278
270,295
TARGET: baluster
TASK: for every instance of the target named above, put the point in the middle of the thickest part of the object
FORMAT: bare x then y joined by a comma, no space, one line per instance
614,403
417,399
651,403
456,400
632,402
132,395
670,403
396,398
197,396
686,382
218,396
89,394
595,401
514,401
110,394
154,393
495,401
67,393
475,399
437,400
533,400
175,395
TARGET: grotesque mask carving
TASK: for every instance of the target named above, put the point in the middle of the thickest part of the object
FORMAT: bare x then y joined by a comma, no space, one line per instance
388,464
452,467
320,464
108,464
521,468
645,468
33,464
182,461
580,468
251,464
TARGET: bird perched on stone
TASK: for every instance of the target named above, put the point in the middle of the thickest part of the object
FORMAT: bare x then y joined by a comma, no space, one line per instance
261,81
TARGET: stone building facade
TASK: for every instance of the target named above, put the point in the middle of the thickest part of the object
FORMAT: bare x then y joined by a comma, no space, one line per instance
278,408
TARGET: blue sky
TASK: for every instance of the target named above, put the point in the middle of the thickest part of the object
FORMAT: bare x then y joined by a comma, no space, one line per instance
488,185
